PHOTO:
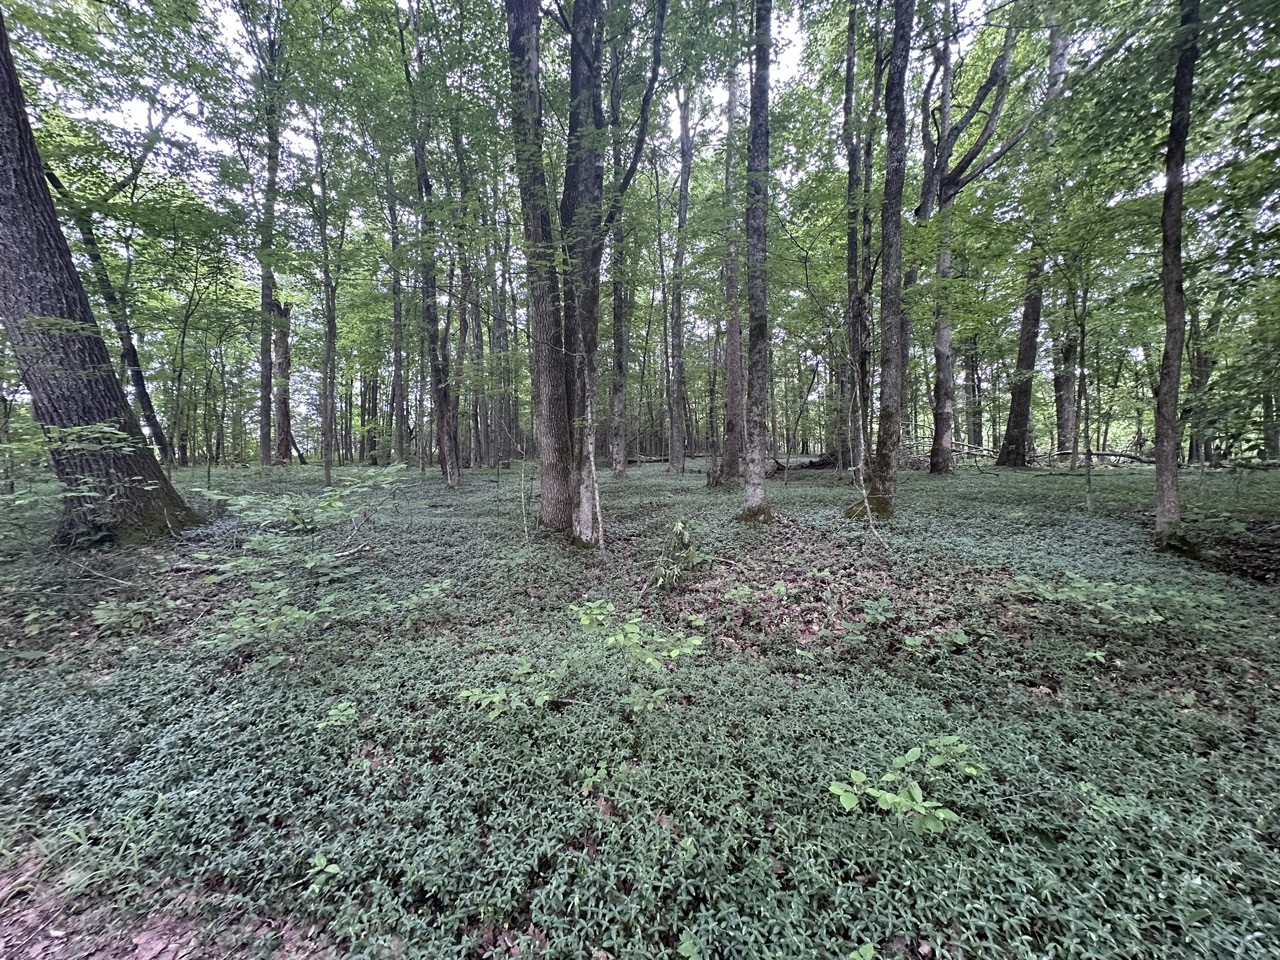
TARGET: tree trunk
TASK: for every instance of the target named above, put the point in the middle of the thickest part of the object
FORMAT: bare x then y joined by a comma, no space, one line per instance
399,396
270,67
884,481
731,456
758,334
1270,431
1064,389
942,458
1013,451
283,367
679,398
1168,507
550,375
973,393
118,492
850,433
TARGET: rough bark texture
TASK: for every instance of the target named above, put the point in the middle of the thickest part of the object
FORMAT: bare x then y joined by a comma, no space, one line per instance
1013,451
1064,394
884,481
731,457
63,360
555,508
1168,508
282,373
754,504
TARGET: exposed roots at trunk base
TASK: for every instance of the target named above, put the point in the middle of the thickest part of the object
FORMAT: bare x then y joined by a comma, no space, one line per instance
1176,542
881,508
80,529
760,514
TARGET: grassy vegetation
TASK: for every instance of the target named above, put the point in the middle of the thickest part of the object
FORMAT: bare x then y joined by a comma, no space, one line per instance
409,720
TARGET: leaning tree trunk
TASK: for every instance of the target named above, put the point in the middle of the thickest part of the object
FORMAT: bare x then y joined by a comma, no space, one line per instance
118,492
754,505
884,480
1168,508
1013,452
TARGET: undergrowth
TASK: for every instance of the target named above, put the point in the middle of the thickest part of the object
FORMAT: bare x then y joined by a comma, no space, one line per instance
412,719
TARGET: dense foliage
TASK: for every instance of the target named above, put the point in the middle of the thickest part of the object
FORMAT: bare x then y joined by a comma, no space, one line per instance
410,722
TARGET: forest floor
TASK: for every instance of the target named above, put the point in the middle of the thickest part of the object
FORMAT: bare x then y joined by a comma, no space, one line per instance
399,721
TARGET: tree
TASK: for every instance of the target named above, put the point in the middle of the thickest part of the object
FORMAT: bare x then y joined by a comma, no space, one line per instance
117,490
884,481
755,507
731,455
1168,507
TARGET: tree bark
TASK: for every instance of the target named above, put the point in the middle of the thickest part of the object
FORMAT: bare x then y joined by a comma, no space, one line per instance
1013,451
118,491
731,456
851,434
755,506
550,375
1064,390
679,398
884,481
399,396
1168,507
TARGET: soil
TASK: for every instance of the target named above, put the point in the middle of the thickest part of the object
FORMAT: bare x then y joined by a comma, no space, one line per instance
37,922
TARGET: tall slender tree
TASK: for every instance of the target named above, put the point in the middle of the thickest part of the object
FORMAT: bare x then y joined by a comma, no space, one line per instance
884,478
1168,445
755,507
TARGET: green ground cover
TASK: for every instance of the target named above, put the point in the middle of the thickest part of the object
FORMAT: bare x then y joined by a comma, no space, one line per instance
414,725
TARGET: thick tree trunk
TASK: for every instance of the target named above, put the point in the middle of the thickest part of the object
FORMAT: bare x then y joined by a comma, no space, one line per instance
118,492
884,481
758,334
1013,451
1168,507
550,375
679,398
731,456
